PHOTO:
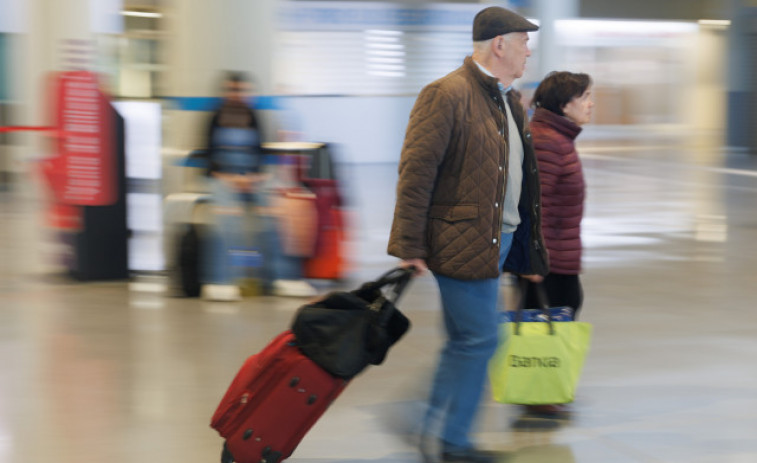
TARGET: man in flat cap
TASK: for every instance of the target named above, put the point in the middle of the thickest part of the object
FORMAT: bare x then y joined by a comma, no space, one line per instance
468,209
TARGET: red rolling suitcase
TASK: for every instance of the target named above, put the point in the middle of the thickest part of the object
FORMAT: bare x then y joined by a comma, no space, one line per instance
279,393
276,397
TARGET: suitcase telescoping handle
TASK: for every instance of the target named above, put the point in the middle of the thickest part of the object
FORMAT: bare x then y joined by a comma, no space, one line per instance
541,299
395,281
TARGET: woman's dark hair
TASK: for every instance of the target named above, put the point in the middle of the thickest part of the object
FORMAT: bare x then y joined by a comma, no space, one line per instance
558,88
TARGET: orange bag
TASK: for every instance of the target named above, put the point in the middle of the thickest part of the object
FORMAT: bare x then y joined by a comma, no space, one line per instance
297,221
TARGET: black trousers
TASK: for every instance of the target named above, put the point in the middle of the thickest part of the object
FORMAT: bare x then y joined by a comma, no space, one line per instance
562,290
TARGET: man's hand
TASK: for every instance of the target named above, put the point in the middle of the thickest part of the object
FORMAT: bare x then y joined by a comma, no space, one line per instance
243,183
419,264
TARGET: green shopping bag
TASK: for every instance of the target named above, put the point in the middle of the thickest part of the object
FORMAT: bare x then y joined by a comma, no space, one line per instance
539,362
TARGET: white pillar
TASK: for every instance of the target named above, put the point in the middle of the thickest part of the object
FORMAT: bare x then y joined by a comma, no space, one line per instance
51,35
206,38
55,36
548,12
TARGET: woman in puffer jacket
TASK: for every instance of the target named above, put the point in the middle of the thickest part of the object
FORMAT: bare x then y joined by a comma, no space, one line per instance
562,103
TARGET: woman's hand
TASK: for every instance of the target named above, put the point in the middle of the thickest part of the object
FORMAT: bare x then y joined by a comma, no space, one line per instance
533,278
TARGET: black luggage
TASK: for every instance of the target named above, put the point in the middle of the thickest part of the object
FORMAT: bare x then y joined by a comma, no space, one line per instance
189,260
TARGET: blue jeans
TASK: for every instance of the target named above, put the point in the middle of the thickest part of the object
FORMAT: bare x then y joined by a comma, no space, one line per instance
237,228
470,319
228,233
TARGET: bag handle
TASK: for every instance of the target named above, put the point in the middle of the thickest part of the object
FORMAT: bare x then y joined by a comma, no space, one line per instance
541,299
398,278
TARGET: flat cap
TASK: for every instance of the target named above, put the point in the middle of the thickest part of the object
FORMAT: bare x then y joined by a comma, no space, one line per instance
494,20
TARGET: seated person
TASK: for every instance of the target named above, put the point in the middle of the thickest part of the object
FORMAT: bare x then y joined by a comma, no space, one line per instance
238,185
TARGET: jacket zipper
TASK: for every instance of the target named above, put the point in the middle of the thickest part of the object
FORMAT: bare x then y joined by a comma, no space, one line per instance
537,237
505,168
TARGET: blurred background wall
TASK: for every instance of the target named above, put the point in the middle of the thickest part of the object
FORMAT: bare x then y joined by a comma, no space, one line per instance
348,72
653,62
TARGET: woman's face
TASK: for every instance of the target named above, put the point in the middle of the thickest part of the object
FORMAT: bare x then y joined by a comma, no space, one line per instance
579,108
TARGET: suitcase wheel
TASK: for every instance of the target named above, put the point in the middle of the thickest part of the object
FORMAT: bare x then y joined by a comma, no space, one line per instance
226,456
271,457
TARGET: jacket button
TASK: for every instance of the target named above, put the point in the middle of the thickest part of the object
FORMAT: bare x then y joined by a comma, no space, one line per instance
496,204
494,241
500,168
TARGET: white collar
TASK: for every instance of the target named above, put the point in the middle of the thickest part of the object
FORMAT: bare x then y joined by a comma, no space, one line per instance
501,86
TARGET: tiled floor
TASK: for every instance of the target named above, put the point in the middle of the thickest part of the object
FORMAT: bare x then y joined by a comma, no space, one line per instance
101,373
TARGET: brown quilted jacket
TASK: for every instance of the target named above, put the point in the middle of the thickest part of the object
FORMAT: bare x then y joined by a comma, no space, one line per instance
452,175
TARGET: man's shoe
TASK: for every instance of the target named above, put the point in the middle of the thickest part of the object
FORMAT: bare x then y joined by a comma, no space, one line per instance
471,455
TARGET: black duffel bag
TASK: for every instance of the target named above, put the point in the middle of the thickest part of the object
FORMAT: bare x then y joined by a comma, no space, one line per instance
346,331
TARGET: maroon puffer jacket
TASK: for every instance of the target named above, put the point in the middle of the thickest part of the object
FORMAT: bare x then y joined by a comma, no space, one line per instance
562,189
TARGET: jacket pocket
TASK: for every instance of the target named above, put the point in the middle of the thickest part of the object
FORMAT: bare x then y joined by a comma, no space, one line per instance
453,213
447,225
